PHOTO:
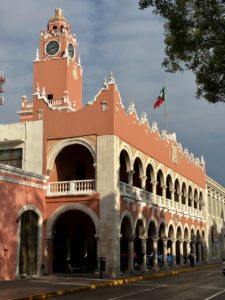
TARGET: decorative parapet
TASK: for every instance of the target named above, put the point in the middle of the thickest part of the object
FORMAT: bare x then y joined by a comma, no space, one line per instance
144,119
63,104
154,127
105,86
26,104
132,111
213,185
170,138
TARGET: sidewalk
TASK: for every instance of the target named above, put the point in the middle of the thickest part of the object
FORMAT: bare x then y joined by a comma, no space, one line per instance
62,284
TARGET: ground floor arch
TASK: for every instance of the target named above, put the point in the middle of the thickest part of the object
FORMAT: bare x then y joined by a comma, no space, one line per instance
74,246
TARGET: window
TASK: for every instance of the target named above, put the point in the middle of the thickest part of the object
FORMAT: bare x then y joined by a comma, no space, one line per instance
50,96
11,157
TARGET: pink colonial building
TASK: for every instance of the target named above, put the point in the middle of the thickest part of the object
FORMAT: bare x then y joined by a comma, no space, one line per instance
83,182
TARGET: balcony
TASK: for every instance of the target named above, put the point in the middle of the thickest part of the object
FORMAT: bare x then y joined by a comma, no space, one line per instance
132,193
71,188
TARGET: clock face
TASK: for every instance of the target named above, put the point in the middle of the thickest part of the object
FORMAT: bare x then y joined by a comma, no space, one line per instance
71,50
52,48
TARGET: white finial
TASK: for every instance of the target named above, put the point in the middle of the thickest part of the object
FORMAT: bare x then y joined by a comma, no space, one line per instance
104,85
43,91
37,55
37,88
202,161
79,60
111,78
154,126
131,106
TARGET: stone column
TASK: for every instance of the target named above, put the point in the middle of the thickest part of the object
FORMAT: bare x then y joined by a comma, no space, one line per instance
205,251
97,244
199,253
165,264
130,254
143,247
172,194
154,183
155,259
143,182
194,249
174,251
188,247
181,252
194,246
164,191
188,251
186,200
130,177
180,197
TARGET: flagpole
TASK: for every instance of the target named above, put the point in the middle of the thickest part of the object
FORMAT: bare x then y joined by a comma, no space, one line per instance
165,109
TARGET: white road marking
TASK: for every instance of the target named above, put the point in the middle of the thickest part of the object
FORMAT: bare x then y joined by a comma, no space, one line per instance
206,275
213,296
138,292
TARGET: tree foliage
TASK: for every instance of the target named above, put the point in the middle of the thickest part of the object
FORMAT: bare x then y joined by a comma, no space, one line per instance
195,40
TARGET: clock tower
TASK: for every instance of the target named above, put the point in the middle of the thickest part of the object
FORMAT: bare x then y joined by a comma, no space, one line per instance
57,68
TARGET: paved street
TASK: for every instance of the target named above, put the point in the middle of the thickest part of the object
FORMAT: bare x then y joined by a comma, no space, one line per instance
200,285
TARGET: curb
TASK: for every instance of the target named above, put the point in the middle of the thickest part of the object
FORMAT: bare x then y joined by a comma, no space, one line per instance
112,283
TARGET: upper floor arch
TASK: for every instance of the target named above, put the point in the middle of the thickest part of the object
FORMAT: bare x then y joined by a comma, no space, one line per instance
62,144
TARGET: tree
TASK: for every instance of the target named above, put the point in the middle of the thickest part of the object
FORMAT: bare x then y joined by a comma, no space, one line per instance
195,40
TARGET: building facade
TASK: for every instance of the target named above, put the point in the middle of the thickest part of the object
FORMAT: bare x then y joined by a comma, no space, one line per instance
92,181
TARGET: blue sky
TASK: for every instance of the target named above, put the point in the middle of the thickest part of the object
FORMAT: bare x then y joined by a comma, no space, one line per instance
113,36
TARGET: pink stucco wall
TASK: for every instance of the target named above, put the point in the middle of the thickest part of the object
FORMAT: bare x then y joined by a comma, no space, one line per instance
14,196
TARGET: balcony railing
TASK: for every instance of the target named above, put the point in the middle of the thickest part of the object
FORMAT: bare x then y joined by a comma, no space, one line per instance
75,187
133,193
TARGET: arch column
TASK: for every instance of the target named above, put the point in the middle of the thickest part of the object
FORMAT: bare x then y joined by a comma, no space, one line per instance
143,182
163,191
181,252
193,247
154,183
188,249
174,251
188,242
143,247
179,197
130,255
172,194
186,200
191,201
130,177
165,264
155,260
204,251
200,252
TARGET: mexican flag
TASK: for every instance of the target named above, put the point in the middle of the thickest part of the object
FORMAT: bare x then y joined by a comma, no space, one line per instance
161,98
